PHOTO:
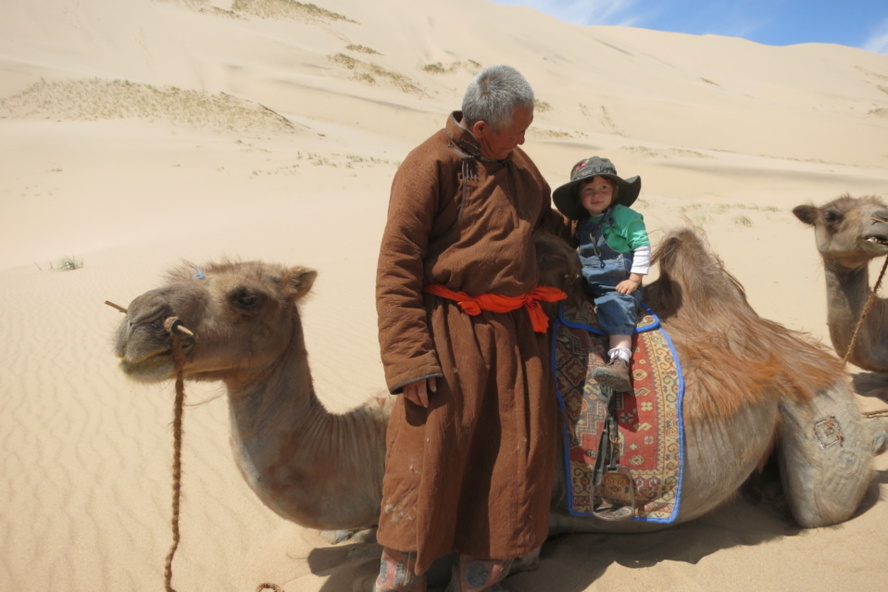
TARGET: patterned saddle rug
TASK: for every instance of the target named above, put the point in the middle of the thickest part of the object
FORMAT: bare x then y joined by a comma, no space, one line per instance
650,446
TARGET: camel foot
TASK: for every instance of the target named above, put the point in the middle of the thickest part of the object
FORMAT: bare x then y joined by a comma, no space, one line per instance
360,535
880,434
529,562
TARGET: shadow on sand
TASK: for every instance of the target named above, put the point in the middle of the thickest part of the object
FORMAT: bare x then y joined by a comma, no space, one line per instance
354,566
760,515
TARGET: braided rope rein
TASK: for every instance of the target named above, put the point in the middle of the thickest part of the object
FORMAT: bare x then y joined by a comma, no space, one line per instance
174,326
866,308
178,407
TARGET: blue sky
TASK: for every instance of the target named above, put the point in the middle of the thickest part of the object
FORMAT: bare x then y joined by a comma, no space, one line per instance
856,23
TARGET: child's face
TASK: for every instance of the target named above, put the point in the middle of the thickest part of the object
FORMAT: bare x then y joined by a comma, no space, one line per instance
596,195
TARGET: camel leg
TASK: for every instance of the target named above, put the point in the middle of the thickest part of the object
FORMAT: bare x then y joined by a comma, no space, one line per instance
826,452
879,428
529,562
356,535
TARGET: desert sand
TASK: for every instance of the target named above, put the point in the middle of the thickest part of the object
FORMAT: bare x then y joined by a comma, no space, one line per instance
135,135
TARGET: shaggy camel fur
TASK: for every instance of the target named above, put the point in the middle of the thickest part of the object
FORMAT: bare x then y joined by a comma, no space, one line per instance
849,233
751,386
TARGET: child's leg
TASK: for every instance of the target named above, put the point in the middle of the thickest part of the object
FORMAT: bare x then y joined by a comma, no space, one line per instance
616,317
620,347
615,374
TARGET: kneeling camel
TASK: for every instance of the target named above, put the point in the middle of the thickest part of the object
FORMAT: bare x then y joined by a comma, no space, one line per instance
753,387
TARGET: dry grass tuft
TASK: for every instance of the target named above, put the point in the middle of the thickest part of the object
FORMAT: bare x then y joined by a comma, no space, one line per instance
70,264
64,264
371,74
287,9
457,66
94,99
362,49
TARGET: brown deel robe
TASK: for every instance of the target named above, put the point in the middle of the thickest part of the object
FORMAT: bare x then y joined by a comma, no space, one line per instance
473,472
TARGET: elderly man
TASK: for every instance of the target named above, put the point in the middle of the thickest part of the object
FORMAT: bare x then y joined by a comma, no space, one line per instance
471,440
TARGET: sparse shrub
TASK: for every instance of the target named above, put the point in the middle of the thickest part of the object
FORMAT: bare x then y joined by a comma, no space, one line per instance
439,68
286,8
370,73
344,60
361,49
70,264
95,99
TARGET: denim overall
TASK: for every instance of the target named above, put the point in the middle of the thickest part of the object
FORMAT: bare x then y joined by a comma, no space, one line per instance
603,269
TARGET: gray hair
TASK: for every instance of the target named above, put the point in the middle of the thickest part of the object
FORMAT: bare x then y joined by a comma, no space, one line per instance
494,95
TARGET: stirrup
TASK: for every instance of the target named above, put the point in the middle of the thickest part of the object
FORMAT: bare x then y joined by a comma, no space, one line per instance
609,502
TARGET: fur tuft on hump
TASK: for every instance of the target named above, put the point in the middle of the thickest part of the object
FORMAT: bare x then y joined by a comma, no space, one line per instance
722,341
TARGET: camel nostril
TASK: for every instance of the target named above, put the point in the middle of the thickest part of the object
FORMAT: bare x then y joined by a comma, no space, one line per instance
175,324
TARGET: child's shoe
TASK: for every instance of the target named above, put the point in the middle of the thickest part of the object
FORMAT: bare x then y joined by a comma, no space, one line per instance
615,375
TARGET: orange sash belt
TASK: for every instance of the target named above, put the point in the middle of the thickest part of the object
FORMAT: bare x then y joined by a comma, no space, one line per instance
473,305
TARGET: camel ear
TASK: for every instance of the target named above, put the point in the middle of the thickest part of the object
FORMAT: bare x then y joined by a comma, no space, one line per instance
807,214
300,279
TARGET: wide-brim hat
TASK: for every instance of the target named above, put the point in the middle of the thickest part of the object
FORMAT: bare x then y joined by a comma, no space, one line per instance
567,198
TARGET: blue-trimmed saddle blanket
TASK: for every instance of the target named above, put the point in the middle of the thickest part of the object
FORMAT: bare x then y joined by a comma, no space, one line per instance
649,420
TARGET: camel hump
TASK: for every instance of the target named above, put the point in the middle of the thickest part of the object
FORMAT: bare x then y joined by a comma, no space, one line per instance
712,322
688,267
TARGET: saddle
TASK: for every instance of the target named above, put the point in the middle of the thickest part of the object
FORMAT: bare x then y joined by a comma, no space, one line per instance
623,452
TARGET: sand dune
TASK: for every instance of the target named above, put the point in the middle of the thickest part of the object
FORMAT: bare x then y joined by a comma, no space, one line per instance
136,135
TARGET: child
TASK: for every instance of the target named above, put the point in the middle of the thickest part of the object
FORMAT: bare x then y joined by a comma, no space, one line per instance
615,253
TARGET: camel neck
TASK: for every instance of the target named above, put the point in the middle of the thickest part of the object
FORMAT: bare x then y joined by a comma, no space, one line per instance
851,285
275,400
846,291
292,452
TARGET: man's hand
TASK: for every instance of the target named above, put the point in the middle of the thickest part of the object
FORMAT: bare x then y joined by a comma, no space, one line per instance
418,391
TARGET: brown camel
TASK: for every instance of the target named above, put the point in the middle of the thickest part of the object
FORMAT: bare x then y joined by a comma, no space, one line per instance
752,386
851,232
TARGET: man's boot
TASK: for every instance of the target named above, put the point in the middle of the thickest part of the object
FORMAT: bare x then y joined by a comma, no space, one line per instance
477,575
396,573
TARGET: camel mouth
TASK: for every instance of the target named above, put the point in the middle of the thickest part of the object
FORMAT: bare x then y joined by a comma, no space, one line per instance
153,367
875,243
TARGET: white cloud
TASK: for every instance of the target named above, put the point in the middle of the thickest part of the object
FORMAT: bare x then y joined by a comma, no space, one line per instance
582,12
878,40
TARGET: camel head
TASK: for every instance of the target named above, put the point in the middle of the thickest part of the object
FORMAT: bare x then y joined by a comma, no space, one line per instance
558,262
849,232
239,318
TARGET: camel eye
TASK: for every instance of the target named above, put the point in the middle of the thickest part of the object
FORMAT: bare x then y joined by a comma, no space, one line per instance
244,298
832,217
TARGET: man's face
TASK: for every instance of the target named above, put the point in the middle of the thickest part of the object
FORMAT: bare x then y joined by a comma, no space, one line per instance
499,145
